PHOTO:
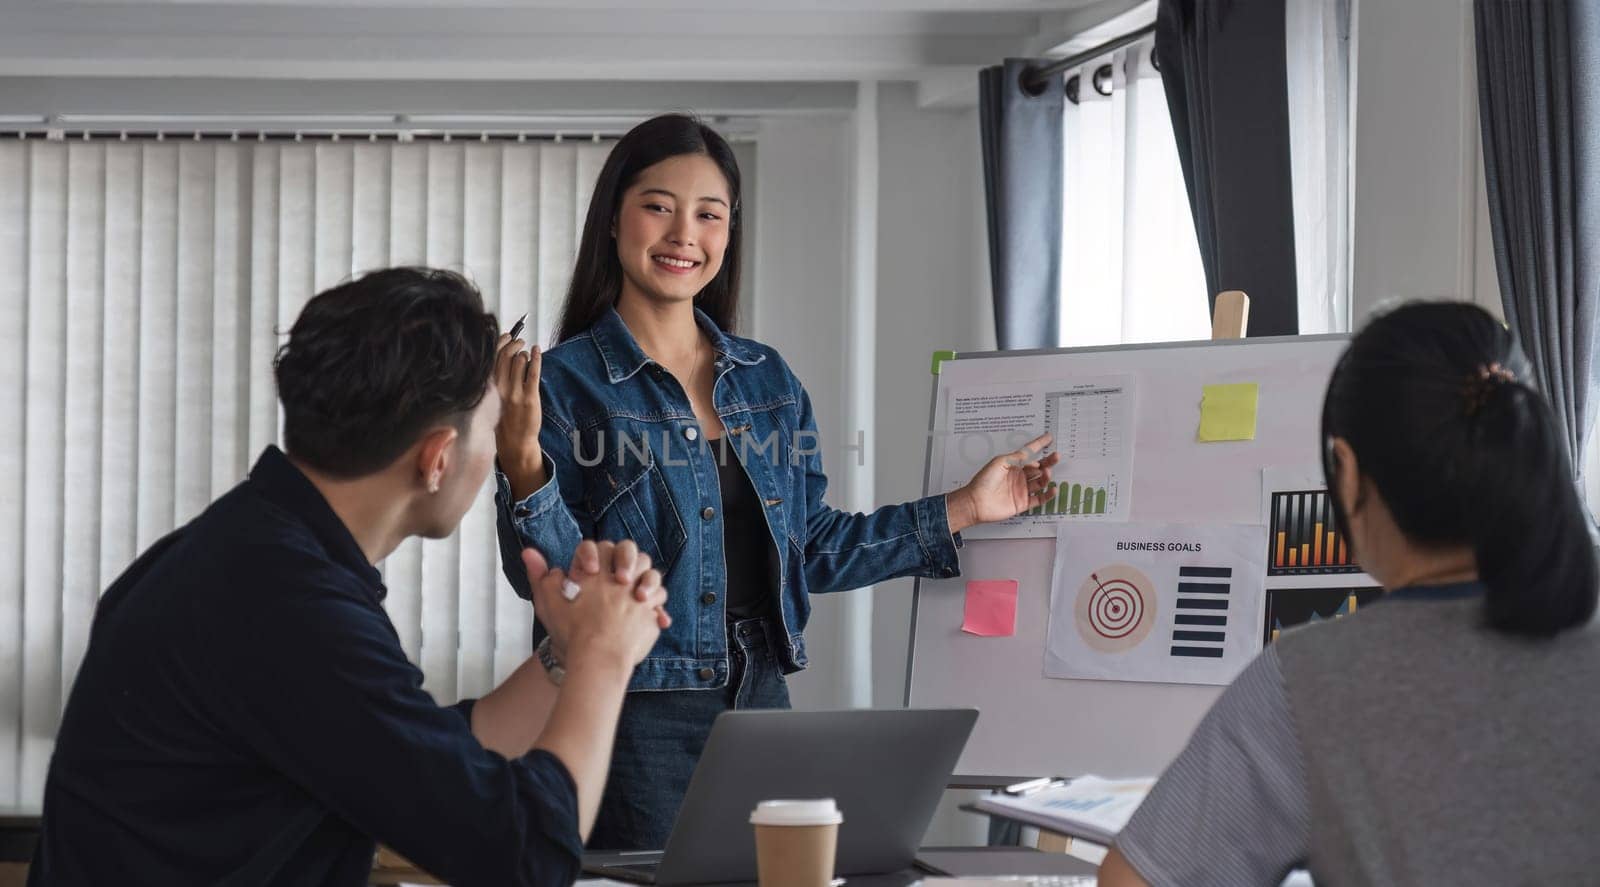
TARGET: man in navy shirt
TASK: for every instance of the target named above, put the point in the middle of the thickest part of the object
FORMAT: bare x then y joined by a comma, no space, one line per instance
245,713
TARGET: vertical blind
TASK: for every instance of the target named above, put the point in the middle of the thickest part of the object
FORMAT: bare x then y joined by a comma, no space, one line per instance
143,287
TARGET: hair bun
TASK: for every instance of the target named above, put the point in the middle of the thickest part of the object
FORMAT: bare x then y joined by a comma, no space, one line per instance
1482,385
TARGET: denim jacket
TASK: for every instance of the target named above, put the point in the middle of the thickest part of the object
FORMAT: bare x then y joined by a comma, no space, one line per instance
626,459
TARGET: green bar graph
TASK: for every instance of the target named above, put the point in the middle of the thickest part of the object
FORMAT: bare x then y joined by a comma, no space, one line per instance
1073,499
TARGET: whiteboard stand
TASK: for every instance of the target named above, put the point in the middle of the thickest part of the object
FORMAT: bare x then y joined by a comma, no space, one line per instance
1232,315
1032,725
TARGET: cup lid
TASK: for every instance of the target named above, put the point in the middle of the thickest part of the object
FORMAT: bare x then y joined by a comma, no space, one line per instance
820,811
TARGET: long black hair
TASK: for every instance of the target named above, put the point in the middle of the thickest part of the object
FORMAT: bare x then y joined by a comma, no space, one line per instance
1437,403
597,277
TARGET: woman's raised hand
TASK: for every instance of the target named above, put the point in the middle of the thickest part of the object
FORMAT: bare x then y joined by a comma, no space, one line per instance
1005,487
516,377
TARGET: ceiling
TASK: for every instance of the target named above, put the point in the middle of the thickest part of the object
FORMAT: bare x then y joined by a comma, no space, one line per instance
929,41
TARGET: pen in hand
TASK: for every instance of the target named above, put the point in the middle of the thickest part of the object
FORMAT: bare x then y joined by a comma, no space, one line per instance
516,328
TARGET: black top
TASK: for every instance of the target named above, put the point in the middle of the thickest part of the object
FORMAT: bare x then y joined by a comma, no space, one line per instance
245,715
746,544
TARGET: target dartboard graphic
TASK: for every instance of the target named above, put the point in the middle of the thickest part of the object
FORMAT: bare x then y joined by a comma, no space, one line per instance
1116,608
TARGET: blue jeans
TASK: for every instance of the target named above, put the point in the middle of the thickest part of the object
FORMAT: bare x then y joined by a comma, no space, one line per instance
662,732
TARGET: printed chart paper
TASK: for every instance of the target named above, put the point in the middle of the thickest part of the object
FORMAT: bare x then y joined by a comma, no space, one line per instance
1167,603
1305,548
1091,421
1312,575
1287,608
1089,807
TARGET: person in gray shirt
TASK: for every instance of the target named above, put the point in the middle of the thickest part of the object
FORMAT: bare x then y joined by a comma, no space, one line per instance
1444,735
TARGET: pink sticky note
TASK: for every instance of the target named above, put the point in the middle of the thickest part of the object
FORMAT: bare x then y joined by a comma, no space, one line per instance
991,608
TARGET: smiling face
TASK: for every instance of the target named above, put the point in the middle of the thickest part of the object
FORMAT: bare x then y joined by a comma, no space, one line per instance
672,229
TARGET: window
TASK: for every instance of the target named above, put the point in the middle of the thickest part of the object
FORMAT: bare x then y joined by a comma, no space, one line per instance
1130,269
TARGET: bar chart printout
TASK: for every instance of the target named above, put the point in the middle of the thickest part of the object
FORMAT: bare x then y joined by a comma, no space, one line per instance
1289,607
1090,421
1078,498
1091,425
1302,539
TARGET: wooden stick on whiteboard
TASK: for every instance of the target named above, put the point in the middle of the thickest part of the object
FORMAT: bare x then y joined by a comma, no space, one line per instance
1232,315
1050,842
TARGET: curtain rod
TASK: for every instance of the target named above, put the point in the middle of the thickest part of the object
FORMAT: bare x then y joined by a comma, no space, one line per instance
402,127
1035,79
52,134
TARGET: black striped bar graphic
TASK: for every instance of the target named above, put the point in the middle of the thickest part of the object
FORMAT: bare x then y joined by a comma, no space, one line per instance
1201,588
1194,603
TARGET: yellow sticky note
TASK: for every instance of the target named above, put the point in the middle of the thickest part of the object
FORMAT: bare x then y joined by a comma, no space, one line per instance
1228,412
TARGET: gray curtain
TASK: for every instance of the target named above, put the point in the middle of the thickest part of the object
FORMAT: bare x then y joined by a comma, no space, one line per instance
1022,184
1222,63
1539,108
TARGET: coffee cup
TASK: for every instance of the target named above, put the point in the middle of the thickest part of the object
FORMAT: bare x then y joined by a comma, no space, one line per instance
795,842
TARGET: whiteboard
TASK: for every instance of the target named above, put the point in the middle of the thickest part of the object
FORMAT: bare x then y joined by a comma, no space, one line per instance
1030,725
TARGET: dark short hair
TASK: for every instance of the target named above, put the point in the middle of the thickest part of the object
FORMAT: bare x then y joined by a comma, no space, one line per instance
1439,405
597,275
373,363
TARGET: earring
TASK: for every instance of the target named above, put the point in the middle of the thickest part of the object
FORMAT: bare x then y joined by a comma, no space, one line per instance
433,484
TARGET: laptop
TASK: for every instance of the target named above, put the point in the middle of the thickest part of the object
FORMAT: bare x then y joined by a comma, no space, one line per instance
887,769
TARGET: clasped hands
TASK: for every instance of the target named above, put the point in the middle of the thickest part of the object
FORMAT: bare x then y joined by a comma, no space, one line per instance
611,604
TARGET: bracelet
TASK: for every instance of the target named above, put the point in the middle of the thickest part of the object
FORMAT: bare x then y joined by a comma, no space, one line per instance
552,666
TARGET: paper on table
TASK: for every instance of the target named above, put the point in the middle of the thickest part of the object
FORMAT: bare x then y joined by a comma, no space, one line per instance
1087,807
991,608
1228,412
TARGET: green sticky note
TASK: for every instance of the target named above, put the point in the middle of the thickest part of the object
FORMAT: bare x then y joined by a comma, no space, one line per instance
1228,412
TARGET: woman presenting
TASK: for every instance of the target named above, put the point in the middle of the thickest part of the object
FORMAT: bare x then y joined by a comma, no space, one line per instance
650,420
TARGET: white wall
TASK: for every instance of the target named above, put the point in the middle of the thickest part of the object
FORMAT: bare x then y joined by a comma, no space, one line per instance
801,273
932,292
933,281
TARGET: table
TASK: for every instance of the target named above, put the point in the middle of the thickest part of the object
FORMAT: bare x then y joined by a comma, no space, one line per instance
958,861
